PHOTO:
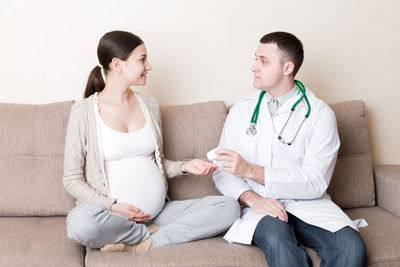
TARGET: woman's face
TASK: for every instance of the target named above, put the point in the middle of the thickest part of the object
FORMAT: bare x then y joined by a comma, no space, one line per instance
136,67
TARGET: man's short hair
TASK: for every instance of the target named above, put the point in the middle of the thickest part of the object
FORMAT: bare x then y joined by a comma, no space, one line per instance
291,47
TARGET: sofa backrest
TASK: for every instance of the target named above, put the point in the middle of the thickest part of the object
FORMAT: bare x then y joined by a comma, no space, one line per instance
32,148
352,183
32,141
190,131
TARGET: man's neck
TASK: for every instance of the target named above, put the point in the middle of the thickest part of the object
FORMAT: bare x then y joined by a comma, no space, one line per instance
281,89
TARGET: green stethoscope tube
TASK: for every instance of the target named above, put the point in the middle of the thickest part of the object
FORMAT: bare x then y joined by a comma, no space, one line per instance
257,109
302,89
251,131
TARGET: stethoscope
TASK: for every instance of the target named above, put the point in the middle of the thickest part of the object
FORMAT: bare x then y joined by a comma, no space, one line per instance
252,131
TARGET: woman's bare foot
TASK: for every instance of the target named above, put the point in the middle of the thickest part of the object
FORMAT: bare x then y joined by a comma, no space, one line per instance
121,247
142,246
118,247
153,228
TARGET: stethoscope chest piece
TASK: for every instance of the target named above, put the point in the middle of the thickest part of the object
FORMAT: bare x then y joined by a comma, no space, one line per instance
251,131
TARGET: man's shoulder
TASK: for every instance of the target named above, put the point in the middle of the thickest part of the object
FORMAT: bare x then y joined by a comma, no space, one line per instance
317,104
248,101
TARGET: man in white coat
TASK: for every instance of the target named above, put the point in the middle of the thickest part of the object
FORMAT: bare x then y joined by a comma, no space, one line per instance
280,167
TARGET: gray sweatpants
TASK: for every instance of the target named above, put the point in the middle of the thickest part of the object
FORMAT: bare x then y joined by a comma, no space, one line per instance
93,225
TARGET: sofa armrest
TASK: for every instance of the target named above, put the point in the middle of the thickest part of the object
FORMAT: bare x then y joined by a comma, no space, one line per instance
387,184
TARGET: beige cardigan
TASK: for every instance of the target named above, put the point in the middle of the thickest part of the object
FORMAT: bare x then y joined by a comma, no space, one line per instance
84,174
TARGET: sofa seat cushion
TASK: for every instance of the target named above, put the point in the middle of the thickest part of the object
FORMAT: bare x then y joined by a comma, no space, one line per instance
208,252
381,236
37,241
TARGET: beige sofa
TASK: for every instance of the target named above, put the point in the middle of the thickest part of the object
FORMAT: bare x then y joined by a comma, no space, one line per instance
33,202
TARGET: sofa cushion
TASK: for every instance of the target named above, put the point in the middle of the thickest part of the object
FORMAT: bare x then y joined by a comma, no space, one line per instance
352,183
27,241
190,131
191,186
207,252
32,141
381,236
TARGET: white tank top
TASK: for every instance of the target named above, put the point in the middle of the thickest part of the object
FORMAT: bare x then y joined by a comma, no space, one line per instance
132,172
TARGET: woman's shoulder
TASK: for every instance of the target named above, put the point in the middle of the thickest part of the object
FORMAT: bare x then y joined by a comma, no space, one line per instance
149,100
82,106
146,98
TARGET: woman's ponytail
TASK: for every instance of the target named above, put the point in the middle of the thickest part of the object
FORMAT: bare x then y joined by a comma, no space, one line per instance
95,82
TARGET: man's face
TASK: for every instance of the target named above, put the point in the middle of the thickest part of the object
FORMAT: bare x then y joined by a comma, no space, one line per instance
268,68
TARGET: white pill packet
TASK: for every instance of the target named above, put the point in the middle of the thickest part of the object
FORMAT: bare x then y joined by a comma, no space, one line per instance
211,154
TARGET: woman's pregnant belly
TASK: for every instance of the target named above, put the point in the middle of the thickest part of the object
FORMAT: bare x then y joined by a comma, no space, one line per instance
137,181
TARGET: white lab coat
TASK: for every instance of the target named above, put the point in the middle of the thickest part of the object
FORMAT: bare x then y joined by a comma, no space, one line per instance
297,175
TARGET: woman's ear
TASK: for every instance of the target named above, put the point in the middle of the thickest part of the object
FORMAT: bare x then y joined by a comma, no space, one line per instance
288,68
116,64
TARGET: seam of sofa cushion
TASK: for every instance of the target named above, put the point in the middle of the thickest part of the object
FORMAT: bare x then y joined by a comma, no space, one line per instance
218,265
86,255
391,260
353,155
30,157
193,131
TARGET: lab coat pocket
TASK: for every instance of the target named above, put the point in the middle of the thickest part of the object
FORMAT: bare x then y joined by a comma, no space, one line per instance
294,152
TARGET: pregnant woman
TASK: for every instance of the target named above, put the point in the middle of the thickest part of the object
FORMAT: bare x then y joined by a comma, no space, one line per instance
115,168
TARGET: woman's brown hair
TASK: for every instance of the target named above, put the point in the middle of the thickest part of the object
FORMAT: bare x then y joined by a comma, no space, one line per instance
115,44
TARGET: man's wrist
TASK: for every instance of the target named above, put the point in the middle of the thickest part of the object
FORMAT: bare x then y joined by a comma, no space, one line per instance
256,173
248,198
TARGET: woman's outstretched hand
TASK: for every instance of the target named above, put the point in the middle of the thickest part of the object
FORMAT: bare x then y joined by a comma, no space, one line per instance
130,211
199,167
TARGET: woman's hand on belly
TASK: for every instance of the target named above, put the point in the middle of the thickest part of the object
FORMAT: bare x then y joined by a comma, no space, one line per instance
199,167
131,212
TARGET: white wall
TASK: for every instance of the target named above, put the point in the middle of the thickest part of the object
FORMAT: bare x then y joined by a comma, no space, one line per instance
202,50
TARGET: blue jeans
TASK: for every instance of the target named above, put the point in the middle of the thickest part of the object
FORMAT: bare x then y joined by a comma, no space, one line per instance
283,243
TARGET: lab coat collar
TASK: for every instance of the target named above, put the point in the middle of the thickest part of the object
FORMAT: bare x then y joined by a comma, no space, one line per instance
286,107
283,98
288,104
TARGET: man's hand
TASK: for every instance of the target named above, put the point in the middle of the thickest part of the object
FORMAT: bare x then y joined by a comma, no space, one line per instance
199,167
130,211
233,162
267,206
236,165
